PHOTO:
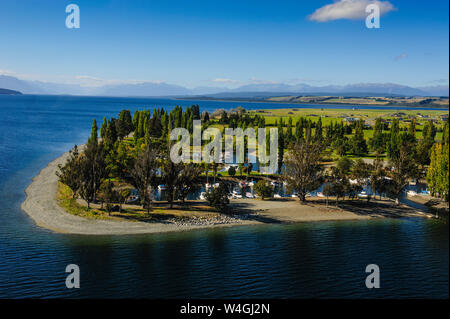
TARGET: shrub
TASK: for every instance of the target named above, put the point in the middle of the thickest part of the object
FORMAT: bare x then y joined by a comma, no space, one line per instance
218,198
263,189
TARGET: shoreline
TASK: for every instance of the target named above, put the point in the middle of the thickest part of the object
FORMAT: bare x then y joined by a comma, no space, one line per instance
361,106
42,207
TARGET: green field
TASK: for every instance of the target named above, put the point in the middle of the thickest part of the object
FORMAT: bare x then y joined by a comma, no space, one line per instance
369,116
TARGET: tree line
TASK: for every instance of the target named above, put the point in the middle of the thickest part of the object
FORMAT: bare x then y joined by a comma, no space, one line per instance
134,149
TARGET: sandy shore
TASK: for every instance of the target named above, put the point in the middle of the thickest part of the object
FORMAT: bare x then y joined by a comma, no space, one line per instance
435,204
41,205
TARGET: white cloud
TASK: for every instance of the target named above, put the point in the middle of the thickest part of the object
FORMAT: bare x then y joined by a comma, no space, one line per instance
401,57
223,80
348,9
81,80
439,81
6,72
254,80
87,77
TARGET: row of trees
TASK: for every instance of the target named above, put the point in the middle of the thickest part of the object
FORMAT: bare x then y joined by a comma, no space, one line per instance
143,161
438,171
89,173
304,171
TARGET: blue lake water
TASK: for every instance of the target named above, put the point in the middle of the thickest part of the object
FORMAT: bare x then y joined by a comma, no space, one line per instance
287,261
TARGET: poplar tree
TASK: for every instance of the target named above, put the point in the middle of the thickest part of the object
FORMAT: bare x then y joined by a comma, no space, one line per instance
438,172
94,131
103,128
358,143
319,131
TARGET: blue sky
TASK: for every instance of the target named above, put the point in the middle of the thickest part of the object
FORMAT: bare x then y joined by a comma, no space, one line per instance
222,43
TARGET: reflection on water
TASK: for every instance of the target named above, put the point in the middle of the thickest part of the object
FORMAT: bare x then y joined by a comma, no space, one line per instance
286,261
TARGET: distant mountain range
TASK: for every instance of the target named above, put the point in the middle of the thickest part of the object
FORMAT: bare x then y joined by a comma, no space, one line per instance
148,89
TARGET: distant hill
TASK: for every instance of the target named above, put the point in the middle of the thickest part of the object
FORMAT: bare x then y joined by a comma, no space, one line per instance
143,89
253,91
9,92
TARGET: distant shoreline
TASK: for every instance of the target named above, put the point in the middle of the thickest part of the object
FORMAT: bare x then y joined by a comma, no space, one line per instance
9,92
224,100
312,104
41,206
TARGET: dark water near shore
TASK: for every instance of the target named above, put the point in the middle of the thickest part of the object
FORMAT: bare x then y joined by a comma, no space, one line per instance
303,260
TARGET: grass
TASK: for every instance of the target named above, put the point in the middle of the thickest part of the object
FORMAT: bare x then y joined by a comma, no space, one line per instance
132,212
65,199
337,115
377,101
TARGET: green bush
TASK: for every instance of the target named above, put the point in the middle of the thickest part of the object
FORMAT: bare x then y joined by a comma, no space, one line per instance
264,189
218,198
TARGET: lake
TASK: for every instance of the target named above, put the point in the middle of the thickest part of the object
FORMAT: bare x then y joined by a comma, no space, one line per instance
323,260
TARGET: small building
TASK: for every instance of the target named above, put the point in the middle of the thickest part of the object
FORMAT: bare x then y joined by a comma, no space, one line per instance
351,119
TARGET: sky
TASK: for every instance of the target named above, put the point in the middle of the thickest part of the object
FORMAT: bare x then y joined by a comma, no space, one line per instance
226,43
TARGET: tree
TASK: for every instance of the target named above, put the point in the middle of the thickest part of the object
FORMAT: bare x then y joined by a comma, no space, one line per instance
264,189
241,168
109,195
378,181
289,132
429,131
232,171
111,132
358,143
345,165
319,131
403,166
170,174
248,169
424,147
394,139
187,180
94,131
412,128
215,166
206,169
281,144
143,174
377,142
103,128
338,184
205,117
218,198
303,171
438,172
426,143
341,145
327,191
92,170
123,195
361,172
69,174
124,124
